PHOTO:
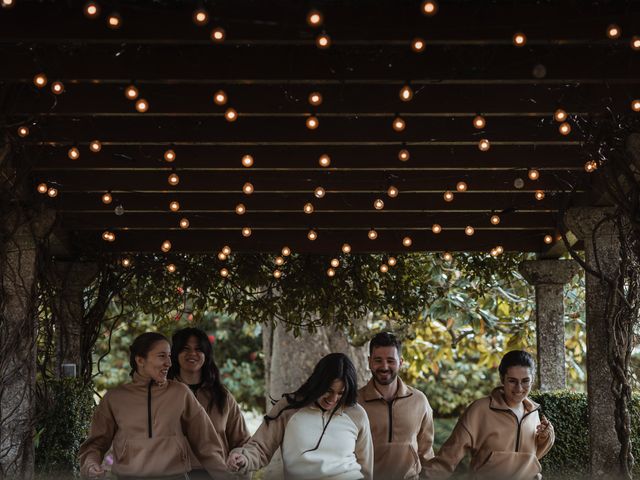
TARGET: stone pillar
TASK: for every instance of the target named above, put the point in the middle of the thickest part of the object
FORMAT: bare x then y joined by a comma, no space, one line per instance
549,277
602,254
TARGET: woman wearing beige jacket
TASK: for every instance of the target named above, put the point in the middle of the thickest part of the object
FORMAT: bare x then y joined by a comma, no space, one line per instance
504,433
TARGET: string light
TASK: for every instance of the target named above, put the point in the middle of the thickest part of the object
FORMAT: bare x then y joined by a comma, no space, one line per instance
240,209
107,198
52,192
224,273
590,166
448,196
435,228
108,236
169,156
565,128
91,10
533,174
231,115
142,105
479,122
495,219
404,155
126,262
407,242
372,234
200,17
95,146
8,3
40,80
220,97
277,274
308,208
165,246
378,204
323,41
499,249
247,161
57,87
221,256
493,252
392,261
324,160
635,43
184,223
315,98
73,153
174,206
635,105
406,93
346,248
398,124
286,251
42,188
392,192
518,183
131,92
613,31
314,18
484,145
171,268
519,39
429,8
539,195
560,115
173,179
279,261
114,21
469,230
247,188
226,250
319,192
246,232
417,45
548,239
335,263
447,257
384,268
312,235
312,122
218,35
461,187
23,131
331,272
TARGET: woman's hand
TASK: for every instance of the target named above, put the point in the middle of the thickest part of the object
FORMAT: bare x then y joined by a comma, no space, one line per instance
236,461
96,471
544,429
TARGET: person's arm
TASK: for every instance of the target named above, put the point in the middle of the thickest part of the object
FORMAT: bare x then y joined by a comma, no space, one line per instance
103,429
425,437
364,447
236,429
545,436
450,454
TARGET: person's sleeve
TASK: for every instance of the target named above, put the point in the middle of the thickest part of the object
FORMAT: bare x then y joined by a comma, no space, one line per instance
236,429
103,429
450,454
543,445
264,443
203,438
364,447
425,437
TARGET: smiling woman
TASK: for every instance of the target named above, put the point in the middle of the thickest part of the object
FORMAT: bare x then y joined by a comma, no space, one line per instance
151,422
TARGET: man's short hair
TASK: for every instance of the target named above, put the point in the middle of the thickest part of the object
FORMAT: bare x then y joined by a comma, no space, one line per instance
385,339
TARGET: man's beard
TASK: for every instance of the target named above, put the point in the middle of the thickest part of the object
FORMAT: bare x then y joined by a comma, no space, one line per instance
388,380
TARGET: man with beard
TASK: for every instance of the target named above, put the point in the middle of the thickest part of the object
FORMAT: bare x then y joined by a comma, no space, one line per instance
400,416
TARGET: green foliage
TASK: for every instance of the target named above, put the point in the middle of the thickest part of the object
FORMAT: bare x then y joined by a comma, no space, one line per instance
64,411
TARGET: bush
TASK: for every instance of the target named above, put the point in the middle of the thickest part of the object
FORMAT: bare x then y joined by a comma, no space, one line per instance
64,410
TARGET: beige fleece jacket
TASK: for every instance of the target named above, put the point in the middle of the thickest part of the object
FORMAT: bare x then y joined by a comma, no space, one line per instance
499,445
155,441
402,431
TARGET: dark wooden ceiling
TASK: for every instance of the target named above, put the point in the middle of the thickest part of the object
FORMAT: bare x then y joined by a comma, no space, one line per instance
268,65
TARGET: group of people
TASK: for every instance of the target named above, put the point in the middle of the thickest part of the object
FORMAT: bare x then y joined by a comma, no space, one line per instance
176,420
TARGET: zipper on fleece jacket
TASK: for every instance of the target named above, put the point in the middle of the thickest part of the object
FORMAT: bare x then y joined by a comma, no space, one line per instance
390,405
518,422
150,423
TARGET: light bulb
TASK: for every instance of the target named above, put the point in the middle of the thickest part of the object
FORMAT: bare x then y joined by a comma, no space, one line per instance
493,252
565,128
500,249
200,17
231,115
533,174
519,39
126,262
184,223
171,268
448,196
324,160
57,88
286,251
398,124
119,210
635,105
518,183
407,242
312,235
346,248
461,187
372,234
95,146
107,235
23,131
246,232
8,3
590,166
384,268
323,41
403,155
539,194
247,188
335,263
169,156
224,273
247,161
447,257
484,145
406,93
52,192
173,179
559,115
73,153
495,219
131,92
314,18
315,98
331,272
417,45
429,7
40,80
312,122
392,261
165,246
218,35
308,208
240,209
635,43
277,274
220,97
226,250
548,239
221,256
378,204
436,228
479,122
42,188
174,206
392,192
107,198
319,192
613,31
91,10
279,261
114,20
469,230
142,105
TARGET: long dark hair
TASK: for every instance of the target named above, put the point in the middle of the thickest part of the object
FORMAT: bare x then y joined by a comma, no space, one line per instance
332,367
210,371
141,346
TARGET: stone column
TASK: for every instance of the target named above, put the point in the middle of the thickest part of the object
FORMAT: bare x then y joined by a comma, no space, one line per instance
549,277
602,254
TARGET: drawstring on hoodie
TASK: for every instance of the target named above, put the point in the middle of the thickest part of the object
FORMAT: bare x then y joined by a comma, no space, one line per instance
149,409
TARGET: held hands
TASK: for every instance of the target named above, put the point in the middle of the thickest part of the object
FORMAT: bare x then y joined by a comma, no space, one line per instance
236,461
96,471
544,429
